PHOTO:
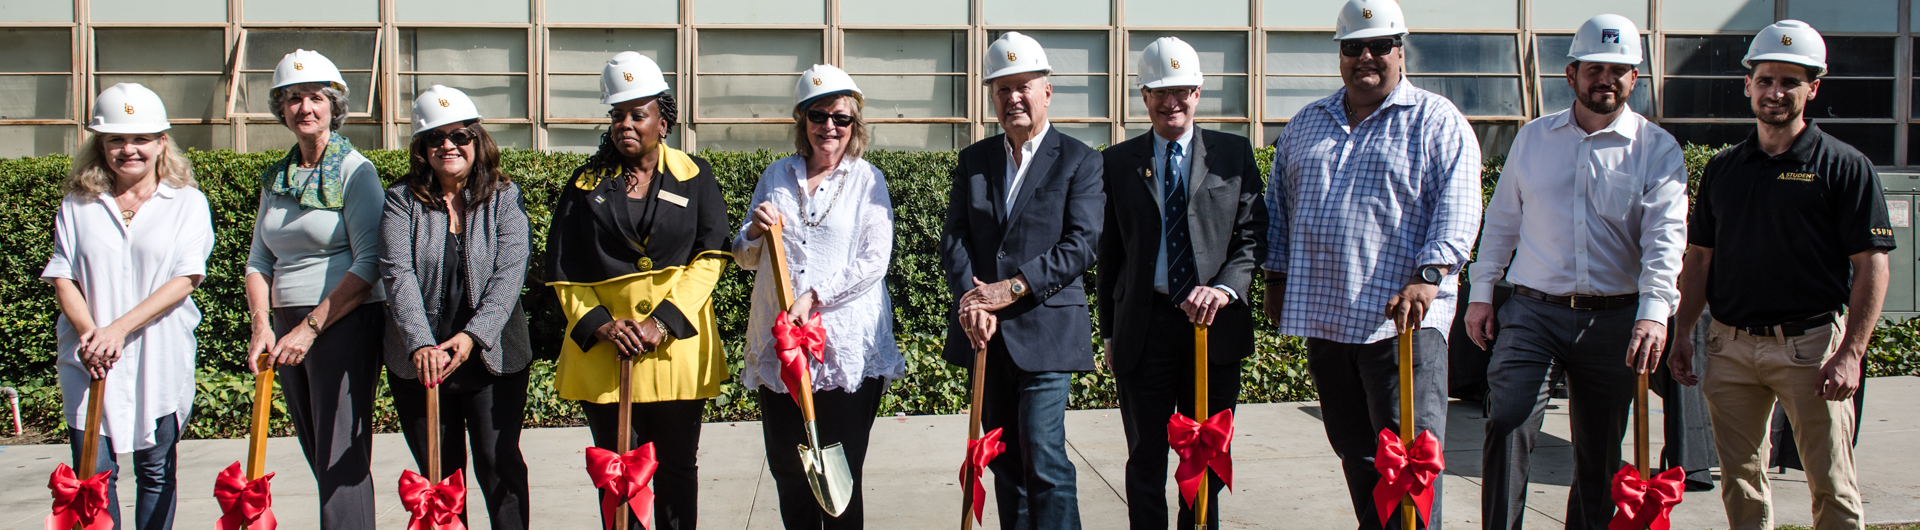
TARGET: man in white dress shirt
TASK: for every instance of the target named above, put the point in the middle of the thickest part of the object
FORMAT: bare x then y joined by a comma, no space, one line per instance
1588,222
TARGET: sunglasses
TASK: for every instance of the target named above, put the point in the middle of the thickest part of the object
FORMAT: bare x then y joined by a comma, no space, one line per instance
461,137
1351,48
821,116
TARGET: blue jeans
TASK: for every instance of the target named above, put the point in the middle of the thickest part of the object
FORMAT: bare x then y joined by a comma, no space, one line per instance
1034,481
153,472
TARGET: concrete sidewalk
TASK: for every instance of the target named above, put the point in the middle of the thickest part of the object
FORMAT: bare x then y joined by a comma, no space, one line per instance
1285,475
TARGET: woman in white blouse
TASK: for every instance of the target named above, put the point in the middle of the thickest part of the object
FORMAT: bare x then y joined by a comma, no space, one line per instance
838,231
129,244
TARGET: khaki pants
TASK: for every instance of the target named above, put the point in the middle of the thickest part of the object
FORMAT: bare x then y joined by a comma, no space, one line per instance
1743,376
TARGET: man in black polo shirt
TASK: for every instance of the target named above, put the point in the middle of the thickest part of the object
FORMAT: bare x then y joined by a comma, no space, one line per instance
1789,243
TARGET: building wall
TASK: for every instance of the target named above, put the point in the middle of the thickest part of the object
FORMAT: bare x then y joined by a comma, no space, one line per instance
532,65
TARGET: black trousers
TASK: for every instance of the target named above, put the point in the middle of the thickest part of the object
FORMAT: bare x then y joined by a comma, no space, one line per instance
842,417
1160,383
1360,395
486,410
674,429
330,400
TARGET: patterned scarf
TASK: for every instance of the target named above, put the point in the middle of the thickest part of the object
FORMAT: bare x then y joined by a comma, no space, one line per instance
327,192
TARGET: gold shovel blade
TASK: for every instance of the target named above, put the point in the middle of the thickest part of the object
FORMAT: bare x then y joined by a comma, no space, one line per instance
829,476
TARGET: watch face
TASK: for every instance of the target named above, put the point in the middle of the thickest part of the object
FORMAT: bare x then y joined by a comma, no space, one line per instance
1430,274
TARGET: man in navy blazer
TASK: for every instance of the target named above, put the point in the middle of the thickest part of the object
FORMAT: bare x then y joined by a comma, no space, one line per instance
1022,223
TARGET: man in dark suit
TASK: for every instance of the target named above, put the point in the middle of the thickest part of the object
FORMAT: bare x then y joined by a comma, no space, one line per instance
1021,228
1182,255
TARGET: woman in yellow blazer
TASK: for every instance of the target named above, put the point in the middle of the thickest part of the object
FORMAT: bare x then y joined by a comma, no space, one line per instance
638,240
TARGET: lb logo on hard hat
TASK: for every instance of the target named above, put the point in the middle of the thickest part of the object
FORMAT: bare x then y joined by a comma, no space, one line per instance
1786,41
1366,13
1011,57
627,75
1175,63
298,66
129,108
816,81
443,102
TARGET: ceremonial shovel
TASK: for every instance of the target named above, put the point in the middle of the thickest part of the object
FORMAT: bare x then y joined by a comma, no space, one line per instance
1409,465
1409,516
81,499
826,467
245,498
1643,500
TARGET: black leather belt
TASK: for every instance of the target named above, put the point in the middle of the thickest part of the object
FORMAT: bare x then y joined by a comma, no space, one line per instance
1580,301
1790,329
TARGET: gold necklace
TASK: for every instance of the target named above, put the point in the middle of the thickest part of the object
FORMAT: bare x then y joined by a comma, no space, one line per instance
126,216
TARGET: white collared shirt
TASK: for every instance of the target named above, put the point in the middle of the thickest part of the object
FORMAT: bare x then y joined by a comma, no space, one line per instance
1017,172
1598,214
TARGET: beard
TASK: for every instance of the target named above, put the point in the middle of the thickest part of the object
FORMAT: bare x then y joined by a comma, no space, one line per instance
1600,104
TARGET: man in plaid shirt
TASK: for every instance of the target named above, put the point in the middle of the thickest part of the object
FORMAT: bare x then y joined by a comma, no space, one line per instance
1374,204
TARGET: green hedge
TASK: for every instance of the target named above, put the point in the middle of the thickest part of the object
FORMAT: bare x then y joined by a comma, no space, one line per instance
918,182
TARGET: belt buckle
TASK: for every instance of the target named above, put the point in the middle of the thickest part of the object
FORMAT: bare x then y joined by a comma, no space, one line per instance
1573,301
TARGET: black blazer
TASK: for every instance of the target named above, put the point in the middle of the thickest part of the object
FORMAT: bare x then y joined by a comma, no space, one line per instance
1049,236
1227,216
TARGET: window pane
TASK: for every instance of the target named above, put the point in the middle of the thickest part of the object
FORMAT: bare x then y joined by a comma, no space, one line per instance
578,96
506,135
1556,96
1092,134
1711,134
1495,137
746,96
1707,55
1853,98
1300,13
203,137
588,50
1187,12
1705,98
745,137
35,11
1302,53
584,138
497,96
917,96
1913,145
150,11
747,51
1477,96
1051,13
461,10
301,11
36,50
35,97
1138,128
1872,139
1472,14
159,50
614,11
896,12
186,96
1287,95
35,140
349,50
1074,96
463,50
1733,15
276,137
917,136
906,51
1270,132
1551,54
1462,54
1570,14
1220,97
1070,52
256,96
1847,15
1860,56
1220,53
760,11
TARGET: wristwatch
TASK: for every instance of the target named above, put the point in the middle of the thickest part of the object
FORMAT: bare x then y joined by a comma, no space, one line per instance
313,323
1019,288
1431,274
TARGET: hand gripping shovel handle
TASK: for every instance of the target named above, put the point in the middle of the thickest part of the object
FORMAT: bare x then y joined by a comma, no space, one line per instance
262,411
1200,410
1408,514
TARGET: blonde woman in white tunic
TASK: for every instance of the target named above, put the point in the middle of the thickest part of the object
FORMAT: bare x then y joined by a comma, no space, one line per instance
130,242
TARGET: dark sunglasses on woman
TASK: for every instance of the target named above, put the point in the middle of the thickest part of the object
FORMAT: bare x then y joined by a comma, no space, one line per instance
436,137
1352,47
821,116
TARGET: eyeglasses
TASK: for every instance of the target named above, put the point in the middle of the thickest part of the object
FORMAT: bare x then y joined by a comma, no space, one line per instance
436,137
1171,92
1352,47
821,116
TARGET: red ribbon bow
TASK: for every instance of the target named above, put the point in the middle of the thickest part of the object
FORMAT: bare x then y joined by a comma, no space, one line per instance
1644,503
795,344
244,504
434,506
979,453
1406,471
78,502
1201,445
625,479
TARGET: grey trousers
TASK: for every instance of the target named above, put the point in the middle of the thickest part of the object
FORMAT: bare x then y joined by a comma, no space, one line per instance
1360,395
330,400
1534,340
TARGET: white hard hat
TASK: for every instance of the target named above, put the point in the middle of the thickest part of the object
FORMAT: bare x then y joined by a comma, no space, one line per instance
1169,61
1607,39
439,105
1366,19
823,80
128,108
1014,53
307,66
630,76
1789,41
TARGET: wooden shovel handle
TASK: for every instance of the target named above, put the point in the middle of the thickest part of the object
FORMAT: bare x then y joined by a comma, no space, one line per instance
1640,424
783,287
90,447
1200,413
262,411
433,434
1409,516
978,400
